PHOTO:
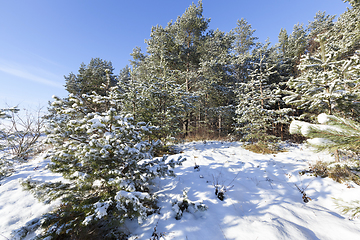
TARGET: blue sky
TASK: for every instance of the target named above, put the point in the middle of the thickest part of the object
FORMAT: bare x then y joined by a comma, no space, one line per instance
42,40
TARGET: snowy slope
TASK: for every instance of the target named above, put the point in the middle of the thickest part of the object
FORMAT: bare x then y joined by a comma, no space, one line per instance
261,201
18,206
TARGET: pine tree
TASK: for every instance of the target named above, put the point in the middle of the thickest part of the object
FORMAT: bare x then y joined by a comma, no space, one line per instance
326,84
243,43
257,97
291,47
297,41
322,23
90,77
107,165
185,57
189,33
354,3
244,39
215,105
287,66
4,114
156,98
328,81
344,38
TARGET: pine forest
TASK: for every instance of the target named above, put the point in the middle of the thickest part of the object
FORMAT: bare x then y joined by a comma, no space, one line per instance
117,135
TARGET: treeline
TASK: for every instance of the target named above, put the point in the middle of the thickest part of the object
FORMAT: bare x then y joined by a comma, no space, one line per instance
196,82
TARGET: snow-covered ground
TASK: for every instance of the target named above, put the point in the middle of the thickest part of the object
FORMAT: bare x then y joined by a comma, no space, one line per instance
18,206
262,200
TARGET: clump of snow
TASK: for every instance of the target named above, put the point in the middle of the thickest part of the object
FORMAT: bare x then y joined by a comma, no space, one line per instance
131,195
323,118
305,129
96,122
98,183
319,141
88,219
101,208
299,127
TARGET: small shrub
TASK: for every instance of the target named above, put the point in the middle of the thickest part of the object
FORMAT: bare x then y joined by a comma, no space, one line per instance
6,168
319,169
185,205
263,148
341,174
305,197
336,172
221,188
23,133
157,235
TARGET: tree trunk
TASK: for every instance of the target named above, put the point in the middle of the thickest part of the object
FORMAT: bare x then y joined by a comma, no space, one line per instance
219,125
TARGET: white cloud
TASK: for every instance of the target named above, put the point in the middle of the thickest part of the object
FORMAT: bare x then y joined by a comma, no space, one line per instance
22,72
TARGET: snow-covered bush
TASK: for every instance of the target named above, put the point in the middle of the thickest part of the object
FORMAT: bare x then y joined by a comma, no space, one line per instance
107,166
23,133
182,205
339,172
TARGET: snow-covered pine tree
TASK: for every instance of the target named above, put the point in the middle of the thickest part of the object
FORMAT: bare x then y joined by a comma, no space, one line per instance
326,84
243,43
244,40
4,112
321,24
354,3
290,48
257,97
188,32
152,90
187,63
297,42
215,105
160,99
107,165
131,89
344,37
329,76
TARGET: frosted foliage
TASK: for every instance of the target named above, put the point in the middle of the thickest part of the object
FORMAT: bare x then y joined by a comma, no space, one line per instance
101,208
107,165
297,127
323,118
131,204
328,80
319,141
332,134
305,128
